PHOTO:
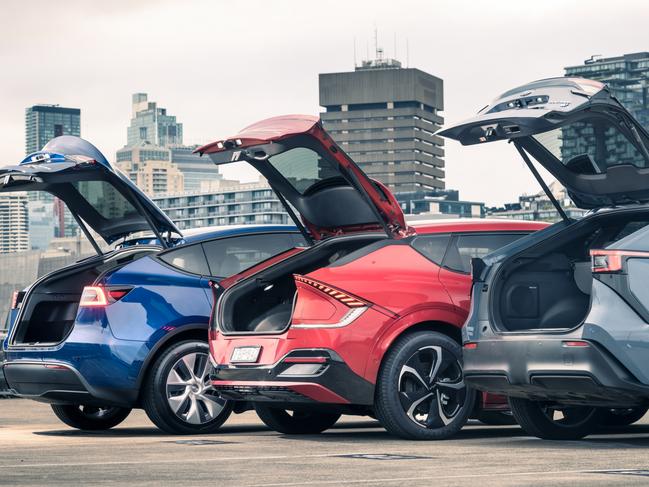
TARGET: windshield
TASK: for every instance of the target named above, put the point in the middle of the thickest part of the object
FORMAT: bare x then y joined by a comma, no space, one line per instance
303,167
592,145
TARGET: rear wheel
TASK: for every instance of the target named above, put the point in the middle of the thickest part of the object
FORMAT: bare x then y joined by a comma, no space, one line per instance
178,396
91,418
295,422
420,393
623,417
555,422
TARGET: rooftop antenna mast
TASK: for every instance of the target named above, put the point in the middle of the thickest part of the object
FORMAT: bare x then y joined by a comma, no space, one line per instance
355,64
407,53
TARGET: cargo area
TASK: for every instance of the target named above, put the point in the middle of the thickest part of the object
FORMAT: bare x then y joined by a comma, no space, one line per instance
548,286
50,306
263,303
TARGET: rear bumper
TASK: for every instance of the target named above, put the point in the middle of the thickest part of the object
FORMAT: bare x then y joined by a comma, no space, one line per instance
58,383
301,377
543,368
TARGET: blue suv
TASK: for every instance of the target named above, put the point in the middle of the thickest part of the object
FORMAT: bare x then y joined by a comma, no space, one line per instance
126,328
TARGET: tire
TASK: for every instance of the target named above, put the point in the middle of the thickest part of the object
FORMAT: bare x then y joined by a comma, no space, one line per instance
497,418
177,396
90,418
539,420
297,423
623,417
420,392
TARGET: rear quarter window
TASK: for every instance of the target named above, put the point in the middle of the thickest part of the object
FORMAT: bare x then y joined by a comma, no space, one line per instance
465,247
191,259
433,247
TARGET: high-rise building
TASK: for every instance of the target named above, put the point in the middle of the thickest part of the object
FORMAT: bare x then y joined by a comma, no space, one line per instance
224,202
154,152
384,116
627,76
150,168
14,222
44,122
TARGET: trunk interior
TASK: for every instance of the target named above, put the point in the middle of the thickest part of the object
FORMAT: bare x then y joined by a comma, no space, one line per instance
548,286
50,306
263,303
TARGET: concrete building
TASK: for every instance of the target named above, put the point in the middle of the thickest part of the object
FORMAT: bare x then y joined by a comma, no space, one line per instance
44,122
627,77
14,222
384,115
538,207
155,157
224,202
150,168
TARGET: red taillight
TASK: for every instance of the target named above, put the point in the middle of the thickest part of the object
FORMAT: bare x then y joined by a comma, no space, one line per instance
338,295
575,343
470,345
14,300
321,306
612,260
93,296
117,294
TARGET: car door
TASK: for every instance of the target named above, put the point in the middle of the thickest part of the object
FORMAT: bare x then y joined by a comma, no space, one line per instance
455,273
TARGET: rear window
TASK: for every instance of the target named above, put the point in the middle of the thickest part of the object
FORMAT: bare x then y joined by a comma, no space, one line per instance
302,168
105,199
593,145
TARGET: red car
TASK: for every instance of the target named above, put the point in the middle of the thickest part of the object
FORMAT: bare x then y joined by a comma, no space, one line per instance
365,321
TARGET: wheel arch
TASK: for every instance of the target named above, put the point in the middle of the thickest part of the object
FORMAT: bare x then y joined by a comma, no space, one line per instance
418,322
185,332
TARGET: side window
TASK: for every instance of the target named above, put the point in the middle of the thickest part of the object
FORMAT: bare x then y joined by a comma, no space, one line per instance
190,259
432,247
463,248
229,256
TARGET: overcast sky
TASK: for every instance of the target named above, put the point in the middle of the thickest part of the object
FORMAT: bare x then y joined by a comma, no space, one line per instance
220,65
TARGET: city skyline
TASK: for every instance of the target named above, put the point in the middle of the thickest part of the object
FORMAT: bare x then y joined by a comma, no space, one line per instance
225,80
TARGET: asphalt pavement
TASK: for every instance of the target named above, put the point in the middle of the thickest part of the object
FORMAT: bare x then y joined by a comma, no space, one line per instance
36,449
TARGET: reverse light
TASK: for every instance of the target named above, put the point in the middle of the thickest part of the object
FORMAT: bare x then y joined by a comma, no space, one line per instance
93,296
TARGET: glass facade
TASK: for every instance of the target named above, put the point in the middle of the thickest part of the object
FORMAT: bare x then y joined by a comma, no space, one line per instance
627,77
152,124
44,122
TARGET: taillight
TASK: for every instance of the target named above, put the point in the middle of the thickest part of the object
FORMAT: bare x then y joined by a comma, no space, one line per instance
93,296
101,296
470,345
575,344
17,299
319,305
609,261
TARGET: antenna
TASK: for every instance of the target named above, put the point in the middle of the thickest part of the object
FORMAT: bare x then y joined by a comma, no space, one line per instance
395,46
376,42
407,53
355,65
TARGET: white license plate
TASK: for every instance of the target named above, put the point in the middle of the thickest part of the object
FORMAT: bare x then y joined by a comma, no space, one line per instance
245,354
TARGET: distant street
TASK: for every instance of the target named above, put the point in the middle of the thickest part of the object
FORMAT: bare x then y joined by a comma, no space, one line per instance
38,450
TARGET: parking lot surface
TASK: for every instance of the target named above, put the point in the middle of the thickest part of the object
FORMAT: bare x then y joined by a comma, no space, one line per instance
39,450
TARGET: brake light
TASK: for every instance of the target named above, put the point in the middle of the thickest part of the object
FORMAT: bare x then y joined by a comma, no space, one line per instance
575,343
470,345
608,261
93,296
337,294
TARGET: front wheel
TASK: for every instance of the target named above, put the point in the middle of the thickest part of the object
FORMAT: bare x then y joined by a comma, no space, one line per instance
178,396
555,422
295,422
420,392
90,418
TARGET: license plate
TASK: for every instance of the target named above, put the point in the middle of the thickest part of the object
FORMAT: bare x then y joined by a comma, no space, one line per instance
245,354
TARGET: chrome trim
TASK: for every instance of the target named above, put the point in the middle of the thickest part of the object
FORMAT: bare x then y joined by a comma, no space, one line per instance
351,316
